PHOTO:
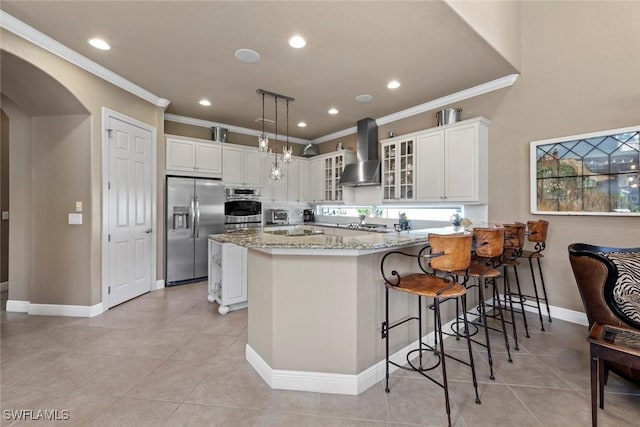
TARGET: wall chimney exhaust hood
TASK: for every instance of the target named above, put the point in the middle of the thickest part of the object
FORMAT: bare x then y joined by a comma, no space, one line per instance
367,170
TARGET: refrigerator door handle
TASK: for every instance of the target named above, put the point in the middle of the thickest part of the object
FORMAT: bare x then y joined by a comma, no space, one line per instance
197,230
192,208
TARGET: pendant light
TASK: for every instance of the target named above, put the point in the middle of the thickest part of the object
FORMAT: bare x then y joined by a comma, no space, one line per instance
263,139
287,156
276,173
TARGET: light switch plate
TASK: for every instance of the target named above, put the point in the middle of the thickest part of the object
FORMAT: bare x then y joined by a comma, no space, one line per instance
75,218
78,206
5,214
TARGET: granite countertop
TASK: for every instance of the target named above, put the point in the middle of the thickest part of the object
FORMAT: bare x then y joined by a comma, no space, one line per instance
370,241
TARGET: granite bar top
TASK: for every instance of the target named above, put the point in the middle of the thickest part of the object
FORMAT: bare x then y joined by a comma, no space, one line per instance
257,238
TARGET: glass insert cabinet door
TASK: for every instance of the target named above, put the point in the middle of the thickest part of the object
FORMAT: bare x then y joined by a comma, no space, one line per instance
398,170
596,173
333,167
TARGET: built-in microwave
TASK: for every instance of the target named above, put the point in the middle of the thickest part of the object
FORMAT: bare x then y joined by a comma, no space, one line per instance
278,216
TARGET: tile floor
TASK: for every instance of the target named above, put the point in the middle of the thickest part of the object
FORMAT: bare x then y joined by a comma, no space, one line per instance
168,359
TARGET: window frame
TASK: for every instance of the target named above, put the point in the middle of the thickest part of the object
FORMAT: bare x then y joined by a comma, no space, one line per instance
533,177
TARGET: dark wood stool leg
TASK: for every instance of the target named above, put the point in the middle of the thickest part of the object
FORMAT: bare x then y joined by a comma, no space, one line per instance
601,381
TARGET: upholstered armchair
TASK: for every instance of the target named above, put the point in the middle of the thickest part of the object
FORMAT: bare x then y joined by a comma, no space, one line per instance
609,283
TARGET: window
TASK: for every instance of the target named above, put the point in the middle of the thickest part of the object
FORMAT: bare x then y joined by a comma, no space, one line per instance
591,174
392,212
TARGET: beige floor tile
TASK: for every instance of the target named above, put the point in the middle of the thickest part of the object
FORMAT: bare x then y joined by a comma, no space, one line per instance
115,375
135,364
135,413
369,405
419,401
527,369
70,338
499,407
232,386
203,347
160,344
172,380
25,363
189,415
64,375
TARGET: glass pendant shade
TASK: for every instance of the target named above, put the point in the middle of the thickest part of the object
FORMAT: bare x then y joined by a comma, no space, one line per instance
263,143
276,173
263,139
287,155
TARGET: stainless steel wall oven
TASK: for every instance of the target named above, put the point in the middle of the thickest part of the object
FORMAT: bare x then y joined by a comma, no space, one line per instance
242,208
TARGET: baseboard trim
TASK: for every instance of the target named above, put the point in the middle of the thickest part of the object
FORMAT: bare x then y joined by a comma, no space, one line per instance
54,309
17,306
4,286
158,285
559,313
325,382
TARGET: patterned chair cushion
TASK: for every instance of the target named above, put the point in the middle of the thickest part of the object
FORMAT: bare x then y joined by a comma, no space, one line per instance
625,295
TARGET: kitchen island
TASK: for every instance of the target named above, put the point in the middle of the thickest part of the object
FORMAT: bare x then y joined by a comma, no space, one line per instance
317,306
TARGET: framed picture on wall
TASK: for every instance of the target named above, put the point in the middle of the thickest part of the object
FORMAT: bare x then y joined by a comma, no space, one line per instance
591,174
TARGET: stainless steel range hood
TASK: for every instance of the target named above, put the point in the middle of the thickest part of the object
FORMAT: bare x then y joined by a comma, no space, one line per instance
367,170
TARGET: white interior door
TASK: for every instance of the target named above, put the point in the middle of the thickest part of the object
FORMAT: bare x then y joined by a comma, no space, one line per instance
129,213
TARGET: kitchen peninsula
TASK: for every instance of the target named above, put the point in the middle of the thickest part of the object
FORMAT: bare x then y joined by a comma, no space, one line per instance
317,304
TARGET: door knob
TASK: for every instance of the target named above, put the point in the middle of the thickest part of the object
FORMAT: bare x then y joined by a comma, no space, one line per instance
148,230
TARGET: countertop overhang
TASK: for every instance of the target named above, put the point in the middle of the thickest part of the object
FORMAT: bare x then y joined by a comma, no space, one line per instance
326,244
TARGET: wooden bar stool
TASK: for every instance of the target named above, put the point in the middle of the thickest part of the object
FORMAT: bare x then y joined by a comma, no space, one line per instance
487,253
514,236
448,254
537,234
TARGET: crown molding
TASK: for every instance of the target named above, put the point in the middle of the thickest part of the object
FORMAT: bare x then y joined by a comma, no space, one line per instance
34,36
237,129
481,89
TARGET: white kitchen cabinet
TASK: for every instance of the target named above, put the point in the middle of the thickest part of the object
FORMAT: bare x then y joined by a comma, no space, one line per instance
191,156
398,169
242,166
315,182
292,175
303,181
452,163
227,276
274,191
326,174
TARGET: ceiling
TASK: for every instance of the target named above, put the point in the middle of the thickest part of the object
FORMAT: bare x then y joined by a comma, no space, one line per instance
184,51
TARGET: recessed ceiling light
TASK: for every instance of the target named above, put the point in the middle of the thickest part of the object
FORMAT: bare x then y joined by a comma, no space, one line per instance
332,111
99,44
247,55
297,42
364,98
393,84
302,125
204,102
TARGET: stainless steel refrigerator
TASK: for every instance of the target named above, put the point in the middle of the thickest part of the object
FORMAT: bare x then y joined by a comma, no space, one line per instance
195,209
